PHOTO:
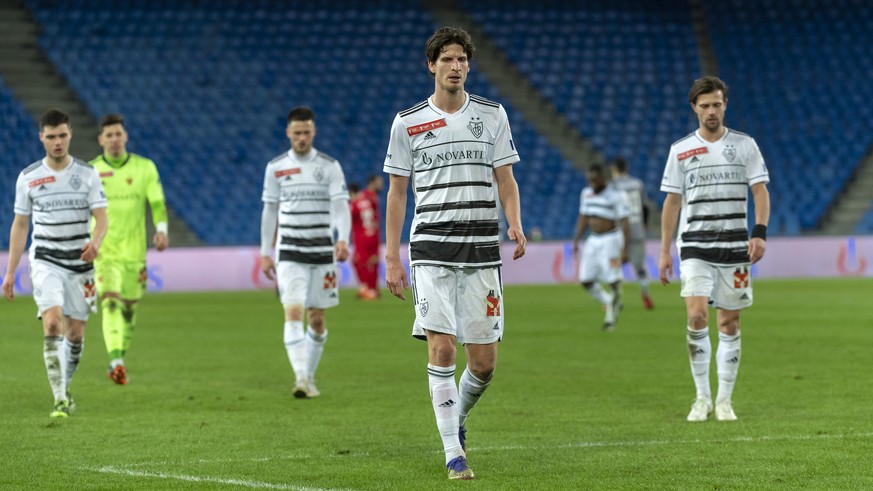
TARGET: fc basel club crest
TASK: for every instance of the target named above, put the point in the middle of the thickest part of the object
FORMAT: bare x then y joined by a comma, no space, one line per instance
75,182
741,277
730,153
422,306
475,127
492,305
330,280
318,175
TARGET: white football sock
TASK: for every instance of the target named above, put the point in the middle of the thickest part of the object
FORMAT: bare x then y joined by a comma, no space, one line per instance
600,294
296,348
727,362
54,367
72,355
699,353
444,398
314,344
470,390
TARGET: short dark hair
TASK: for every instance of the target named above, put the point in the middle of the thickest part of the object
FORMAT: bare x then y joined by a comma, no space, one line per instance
301,114
53,117
620,164
445,36
707,85
354,188
372,178
597,169
111,119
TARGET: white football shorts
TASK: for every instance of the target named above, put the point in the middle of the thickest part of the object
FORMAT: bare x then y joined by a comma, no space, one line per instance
312,285
57,287
464,302
728,287
601,258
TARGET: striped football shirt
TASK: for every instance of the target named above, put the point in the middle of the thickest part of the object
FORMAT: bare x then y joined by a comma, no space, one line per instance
714,180
450,159
59,204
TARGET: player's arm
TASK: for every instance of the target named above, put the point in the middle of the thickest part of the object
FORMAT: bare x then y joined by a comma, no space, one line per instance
17,243
758,241
625,231
581,226
669,222
155,195
269,226
395,214
341,221
507,189
101,224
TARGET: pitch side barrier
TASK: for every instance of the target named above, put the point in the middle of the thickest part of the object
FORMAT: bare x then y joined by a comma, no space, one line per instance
238,268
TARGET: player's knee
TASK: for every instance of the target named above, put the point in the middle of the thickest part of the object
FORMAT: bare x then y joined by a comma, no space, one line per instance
111,304
729,326
482,371
294,312
53,325
316,321
698,319
442,355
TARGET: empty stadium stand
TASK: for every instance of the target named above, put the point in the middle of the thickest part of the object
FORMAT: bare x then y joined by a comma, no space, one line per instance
205,88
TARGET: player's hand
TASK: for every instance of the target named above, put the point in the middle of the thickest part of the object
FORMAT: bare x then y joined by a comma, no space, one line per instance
89,252
395,278
757,248
9,286
161,241
665,268
520,242
268,268
341,249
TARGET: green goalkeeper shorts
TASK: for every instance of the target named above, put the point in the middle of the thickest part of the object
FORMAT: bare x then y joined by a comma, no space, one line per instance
127,278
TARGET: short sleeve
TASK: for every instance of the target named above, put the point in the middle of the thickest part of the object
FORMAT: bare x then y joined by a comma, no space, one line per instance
756,169
673,180
504,151
23,203
271,186
96,196
398,160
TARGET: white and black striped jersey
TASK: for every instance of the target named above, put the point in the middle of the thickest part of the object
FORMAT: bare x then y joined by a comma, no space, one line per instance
714,180
304,187
634,194
608,204
451,160
60,204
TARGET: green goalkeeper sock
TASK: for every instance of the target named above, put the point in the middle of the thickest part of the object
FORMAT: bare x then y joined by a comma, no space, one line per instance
129,316
113,327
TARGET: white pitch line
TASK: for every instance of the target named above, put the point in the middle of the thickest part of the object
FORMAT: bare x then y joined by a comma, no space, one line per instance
218,480
645,443
573,445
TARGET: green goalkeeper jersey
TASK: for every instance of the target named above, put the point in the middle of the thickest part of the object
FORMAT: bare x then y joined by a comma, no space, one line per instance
128,183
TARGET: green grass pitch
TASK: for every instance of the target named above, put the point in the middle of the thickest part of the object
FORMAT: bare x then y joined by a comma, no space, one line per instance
209,403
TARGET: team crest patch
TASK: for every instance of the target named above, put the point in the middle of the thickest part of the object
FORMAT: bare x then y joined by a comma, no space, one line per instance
492,305
129,181
730,153
330,280
75,182
475,127
422,307
318,175
741,277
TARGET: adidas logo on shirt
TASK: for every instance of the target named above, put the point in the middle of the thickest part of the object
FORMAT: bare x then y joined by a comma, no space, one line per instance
429,136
